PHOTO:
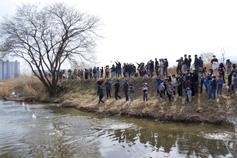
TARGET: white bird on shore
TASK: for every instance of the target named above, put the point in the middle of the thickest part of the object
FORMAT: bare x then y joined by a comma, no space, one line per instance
23,104
33,116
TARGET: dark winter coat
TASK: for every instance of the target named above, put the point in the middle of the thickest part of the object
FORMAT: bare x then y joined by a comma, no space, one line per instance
213,84
125,87
116,86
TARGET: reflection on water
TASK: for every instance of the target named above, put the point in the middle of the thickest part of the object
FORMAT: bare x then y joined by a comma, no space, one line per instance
37,130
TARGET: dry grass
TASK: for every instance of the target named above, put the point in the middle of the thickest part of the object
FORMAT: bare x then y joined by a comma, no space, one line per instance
172,70
31,86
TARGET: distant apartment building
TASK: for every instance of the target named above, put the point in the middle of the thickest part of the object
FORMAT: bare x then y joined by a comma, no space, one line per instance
9,69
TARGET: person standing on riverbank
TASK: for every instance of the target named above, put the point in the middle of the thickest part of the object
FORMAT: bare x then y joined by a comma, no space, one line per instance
195,81
180,86
228,66
151,65
117,85
125,89
145,91
221,70
107,71
99,84
231,83
98,72
131,89
208,84
179,66
189,95
112,71
213,88
200,62
174,82
81,74
185,61
202,77
86,74
170,90
214,65
196,63
161,67
187,85
189,63
118,68
90,73
69,74
101,72
158,80
157,67
108,88
220,83
161,90
101,94
166,65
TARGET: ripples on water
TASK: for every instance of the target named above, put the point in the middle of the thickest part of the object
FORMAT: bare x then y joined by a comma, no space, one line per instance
37,130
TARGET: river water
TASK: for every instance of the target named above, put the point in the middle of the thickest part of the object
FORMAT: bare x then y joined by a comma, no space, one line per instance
38,130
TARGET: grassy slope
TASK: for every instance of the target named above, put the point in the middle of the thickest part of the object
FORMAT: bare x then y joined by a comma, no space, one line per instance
82,95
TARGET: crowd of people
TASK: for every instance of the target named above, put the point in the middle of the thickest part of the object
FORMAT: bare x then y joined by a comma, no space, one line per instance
191,77
118,70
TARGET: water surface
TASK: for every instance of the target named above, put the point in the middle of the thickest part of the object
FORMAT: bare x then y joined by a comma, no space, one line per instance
43,130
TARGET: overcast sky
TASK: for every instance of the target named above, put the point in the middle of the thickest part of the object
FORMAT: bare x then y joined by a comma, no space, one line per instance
139,30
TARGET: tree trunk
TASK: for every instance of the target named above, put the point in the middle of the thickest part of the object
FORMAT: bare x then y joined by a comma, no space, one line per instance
52,92
53,88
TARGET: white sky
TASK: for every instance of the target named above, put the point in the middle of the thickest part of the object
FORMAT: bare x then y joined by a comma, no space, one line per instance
139,30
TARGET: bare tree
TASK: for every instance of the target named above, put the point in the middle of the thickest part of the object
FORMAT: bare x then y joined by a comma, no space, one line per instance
47,37
206,57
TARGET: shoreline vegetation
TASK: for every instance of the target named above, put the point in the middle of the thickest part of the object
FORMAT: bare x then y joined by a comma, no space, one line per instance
82,95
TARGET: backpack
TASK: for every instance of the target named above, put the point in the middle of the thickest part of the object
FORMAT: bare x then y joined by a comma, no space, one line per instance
161,87
206,82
